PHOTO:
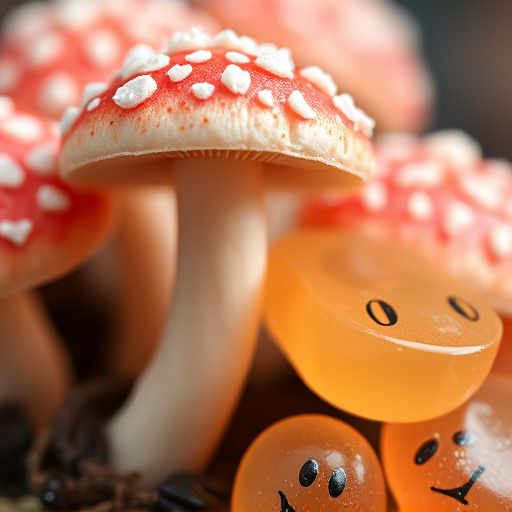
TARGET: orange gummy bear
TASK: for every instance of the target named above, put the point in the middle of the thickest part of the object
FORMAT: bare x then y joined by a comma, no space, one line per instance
459,462
309,462
376,330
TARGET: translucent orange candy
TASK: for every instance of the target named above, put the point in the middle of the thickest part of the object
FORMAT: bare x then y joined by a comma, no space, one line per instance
309,462
376,330
460,461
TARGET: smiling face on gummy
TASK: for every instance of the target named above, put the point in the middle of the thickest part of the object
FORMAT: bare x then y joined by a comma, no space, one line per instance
309,463
460,461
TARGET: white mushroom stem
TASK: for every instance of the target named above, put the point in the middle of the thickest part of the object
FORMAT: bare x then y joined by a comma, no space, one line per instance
182,403
34,370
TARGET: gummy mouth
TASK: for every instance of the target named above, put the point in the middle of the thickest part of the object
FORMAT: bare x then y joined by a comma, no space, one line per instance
459,493
285,506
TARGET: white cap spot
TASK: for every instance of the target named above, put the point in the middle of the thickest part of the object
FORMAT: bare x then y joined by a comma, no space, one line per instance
230,39
420,174
9,75
481,190
375,196
59,91
278,63
145,64
237,58
48,49
6,106
345,103
500,239
266,98
52,199
102,48
199,56
42,159
202,91
77,15
11,174
420,206
178,73
454,147
320,78
458,217
236,79
194,39
68,119
16,231
135,91
91,91
299,105
22,127
93,105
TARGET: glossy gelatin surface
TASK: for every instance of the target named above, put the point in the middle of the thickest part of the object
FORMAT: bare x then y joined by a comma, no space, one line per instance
460,461
376,330
309,462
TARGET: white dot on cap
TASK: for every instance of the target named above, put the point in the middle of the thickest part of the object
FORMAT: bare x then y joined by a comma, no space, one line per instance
266,98
419,206
194,39
91,91
178,73
6,106
42,159
135,91
52,199
59,91
320,78
68,119
375,196
11,174
454,147
10,74
199,56
145,64
236,79
237,58
458,217
22,127
420,174
203,90
299,105
481,190
102,48
16,231
47,50
277,63
93,104
500,239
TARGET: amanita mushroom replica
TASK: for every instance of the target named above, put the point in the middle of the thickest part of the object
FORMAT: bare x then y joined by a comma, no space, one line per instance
439,197
212,113
46,229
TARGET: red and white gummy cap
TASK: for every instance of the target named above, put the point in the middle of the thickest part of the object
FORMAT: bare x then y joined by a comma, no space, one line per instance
222,95
439,196
46,227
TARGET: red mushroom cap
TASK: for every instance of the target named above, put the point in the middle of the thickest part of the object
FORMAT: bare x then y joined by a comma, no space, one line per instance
439,196
50,50
227,95
46,227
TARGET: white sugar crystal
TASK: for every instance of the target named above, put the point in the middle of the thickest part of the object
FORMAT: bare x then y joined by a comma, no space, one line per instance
91,91
52,199
320,78
375,196
202,91
455,148
9,75
16,231
500,239
420,174
6,106
237,58
11,174
102,48
41,159
277,63
94,104
68,119
199,56
178,73
145,64
230,39
266,98
135,91
458,217
22,127
58,92
236,79
48,49
299,105
420,206
194,39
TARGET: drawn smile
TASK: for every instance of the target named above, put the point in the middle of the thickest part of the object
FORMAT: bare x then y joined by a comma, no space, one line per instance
459,493
285,506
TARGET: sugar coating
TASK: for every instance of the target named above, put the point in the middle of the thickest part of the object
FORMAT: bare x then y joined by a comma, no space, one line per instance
266,98
11,174
92,90
299,105
135,92
41,159
16,231
199,56
236,79
145,64
500,238
59,90
278,64
458,217
22,127
321,79
68,119
375,196
237,58
178,73
203,90
102,48
94,104
420,206
52,199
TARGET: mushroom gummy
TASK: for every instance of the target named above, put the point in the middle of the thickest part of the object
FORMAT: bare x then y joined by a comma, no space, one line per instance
220,117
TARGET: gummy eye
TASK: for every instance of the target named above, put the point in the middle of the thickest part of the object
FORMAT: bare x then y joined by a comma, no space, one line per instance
464,438
308,472
381,312
426,452
464,308
337,482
